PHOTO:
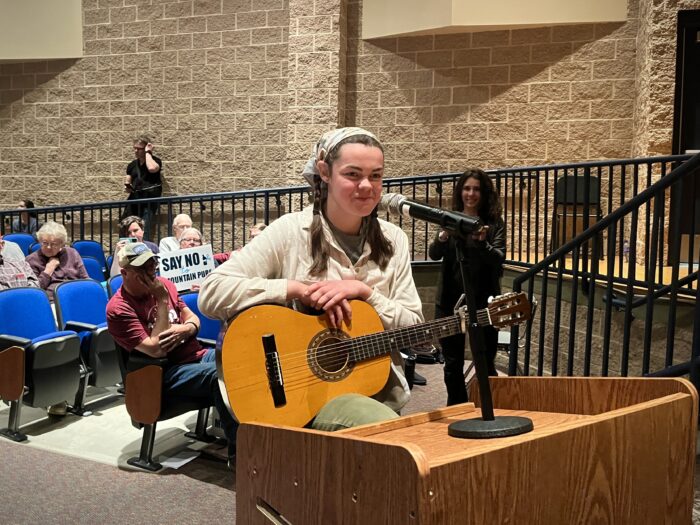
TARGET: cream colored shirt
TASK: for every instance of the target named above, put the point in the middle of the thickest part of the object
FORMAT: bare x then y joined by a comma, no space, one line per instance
258,274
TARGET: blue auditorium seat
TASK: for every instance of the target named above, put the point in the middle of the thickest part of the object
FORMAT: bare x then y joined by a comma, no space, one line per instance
24,240
92,249
51,357
93,268
114,284
209,328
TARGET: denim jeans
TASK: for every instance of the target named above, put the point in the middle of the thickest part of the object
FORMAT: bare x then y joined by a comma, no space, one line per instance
351,410
200,381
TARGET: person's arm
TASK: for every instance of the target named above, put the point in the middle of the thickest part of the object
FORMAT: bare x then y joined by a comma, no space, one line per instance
151,164
152,345
249,277
493,249
437,248
42,272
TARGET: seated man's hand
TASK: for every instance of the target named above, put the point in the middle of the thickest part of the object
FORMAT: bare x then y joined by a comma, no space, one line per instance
174,336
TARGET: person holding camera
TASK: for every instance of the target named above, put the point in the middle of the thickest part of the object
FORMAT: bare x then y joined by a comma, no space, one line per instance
143,181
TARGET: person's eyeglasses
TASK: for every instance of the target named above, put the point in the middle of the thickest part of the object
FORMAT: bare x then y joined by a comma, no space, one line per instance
56,244
192,240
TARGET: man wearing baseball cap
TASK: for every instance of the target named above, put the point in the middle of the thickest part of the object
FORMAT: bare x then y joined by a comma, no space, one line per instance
147,315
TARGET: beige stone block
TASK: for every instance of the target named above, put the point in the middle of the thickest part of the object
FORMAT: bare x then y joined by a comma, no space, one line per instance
399,62
469,132
109,123
455,41
449,114
531,35
95,16
46,111
569,110
189,90
472,57
164,90
278,18
490,75
598,50
71,109
470,95
622,129
434,59
414,79
528,73
452,77
250,87
487,150
553,91
206,105
519,54
235,71
567,150
206,7
250,120
202,73
377,117
507,131
251,20
268,70
177,74
578,71
163,27
178,41
275,86
257,54
589,130
206,40
191,57
122,108
192,25
275,153
137,61
612,109
434,97
268,5
522,149
613,69
110,93
109,31
551,53
490,38
163,59
509,94
547,130
378,81
149,107
488,113
99,109
311,25
304,43
136,29
397,98
415,43
265,103
175,107
221,22
148,44
592,90
150,12
612,148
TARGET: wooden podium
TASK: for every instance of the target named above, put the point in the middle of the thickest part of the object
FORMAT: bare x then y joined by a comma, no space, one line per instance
603,450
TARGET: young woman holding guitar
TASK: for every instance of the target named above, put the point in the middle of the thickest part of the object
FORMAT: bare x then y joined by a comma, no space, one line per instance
321,259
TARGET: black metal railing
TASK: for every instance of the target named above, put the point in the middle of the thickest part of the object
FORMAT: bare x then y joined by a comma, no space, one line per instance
607,310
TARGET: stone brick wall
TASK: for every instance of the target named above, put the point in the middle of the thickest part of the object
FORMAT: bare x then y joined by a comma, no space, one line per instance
234,92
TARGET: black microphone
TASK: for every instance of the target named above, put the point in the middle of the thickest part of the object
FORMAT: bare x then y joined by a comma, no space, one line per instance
451,221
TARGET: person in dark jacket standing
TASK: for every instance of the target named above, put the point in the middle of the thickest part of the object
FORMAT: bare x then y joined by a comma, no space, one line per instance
474,194
143,181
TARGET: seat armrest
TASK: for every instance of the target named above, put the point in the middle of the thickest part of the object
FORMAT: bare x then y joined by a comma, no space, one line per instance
6,341
143,394
77,326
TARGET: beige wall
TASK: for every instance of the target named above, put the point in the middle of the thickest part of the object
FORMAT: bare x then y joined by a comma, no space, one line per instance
235,91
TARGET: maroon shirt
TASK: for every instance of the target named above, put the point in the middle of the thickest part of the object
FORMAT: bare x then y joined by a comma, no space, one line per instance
130,320
70,268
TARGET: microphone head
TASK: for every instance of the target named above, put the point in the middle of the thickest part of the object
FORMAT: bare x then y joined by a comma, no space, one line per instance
391,203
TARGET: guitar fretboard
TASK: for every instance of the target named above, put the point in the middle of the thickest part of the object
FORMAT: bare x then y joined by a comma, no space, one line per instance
381,343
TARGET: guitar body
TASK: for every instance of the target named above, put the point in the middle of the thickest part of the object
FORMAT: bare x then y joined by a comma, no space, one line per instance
312,369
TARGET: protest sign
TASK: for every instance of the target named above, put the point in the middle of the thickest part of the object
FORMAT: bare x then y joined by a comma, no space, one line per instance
188,266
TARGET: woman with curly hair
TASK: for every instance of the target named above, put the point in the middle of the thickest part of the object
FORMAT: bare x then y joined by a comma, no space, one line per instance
474,194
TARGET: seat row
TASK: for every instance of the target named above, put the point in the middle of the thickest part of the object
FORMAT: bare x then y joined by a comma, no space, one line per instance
45,360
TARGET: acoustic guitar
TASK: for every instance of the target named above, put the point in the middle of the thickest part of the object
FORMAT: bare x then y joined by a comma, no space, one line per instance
280,366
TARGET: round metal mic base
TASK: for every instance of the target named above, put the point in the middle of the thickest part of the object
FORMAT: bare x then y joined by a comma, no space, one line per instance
501,426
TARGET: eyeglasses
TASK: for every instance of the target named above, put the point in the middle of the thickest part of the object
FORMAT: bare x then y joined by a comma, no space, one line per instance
55,244
192,240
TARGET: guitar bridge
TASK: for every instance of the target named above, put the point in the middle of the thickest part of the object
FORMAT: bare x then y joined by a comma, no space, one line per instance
274,370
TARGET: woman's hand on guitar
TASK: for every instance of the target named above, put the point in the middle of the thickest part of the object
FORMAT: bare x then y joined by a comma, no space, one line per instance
333,296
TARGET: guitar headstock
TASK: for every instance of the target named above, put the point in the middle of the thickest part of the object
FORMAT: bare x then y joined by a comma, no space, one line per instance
509,309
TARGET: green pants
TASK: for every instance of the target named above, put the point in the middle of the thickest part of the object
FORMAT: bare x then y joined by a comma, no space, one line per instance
351,410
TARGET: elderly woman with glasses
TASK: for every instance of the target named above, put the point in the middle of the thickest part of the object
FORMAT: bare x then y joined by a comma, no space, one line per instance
55,262
192,237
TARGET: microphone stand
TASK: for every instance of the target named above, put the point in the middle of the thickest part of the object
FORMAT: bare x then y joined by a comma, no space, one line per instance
488,425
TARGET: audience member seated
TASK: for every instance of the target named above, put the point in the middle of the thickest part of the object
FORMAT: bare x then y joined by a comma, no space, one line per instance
129,227
11,251
146,315
26,222
191,237
15,273
55,262
180,223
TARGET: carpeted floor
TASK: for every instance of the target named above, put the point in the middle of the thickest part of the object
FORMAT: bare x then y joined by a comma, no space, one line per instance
39,485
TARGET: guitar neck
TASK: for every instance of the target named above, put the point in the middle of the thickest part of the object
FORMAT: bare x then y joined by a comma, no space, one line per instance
382,343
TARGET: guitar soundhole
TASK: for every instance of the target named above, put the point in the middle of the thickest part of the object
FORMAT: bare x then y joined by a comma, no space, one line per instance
328,355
